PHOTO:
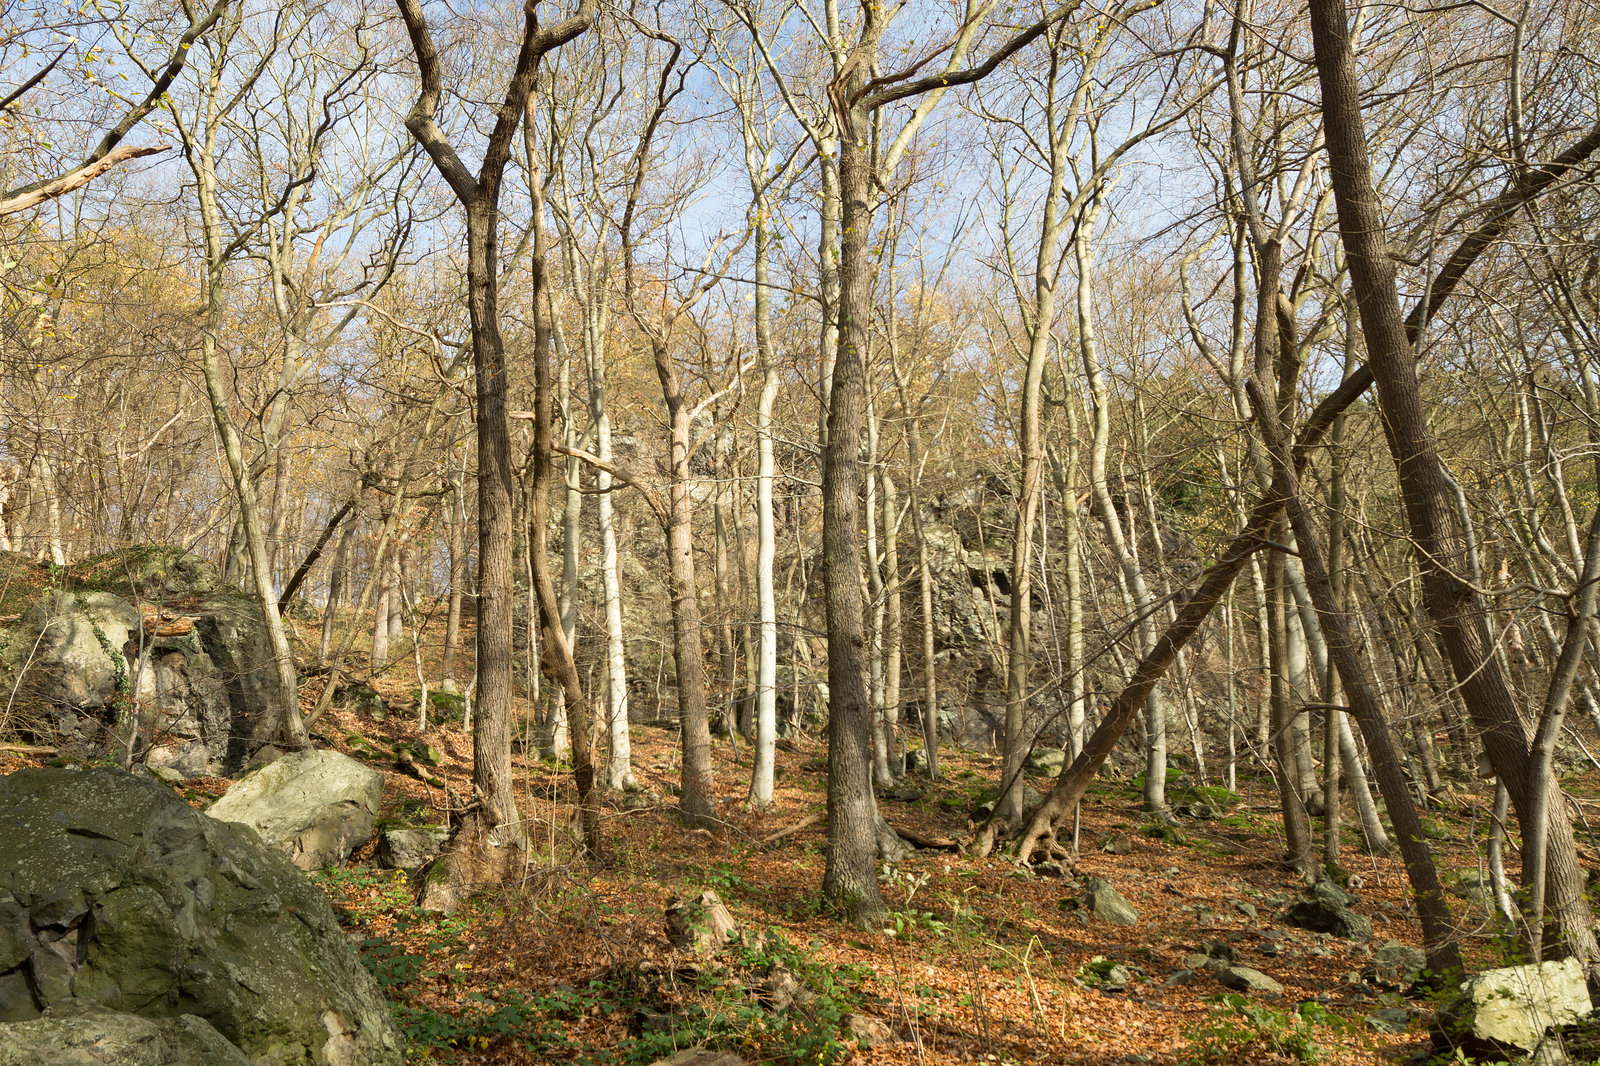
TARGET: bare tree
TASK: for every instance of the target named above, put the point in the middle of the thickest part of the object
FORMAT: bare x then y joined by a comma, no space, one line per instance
490,840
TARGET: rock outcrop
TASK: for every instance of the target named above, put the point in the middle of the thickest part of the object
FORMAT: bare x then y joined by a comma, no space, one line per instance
144,628
116,895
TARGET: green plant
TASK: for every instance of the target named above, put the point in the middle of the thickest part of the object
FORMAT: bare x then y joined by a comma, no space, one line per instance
1238,1029
1164,831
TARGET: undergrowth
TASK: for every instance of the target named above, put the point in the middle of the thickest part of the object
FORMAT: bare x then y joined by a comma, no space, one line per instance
442,1004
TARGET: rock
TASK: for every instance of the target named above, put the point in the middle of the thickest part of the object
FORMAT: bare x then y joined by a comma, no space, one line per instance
265,755
184,760
1509,1009
1325,916
1395,965
167,774
867,1030
154,572
1047,762
115,892
1244,908
1107,904
1050,868
1389,1020
1200,961
99,1037
701,1056
782,990
702,926
1247,979
411,849
1105,975
1117,845
74,648
1219,949
363,748
408,763
315,805
1179,978
427,754
641,801
1330,892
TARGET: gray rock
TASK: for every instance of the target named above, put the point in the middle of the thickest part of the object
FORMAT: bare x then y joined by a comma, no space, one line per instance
1107,904
867,1030
67,662
1390,1020
234,638
315,805
701,1056
428,754
1117,845
167,774
641,801
202,674
411,849
1395,965
1244,908
114,891
153,572
1330,892
1047,761
109,1038
1325,916
1247,979
1509,1009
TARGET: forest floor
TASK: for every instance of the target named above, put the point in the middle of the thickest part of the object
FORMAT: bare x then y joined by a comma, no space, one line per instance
978,961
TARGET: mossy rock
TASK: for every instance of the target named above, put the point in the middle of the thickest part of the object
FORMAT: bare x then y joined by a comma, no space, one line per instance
175,913
448,706
147,572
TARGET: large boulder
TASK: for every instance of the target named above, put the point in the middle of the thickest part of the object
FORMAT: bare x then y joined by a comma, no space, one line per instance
1395,965
233,635
1509,1010
144,627
116,893
110,1038
316,805
70,648
412,849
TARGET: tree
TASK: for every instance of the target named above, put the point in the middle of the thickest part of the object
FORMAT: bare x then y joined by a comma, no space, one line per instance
1455,606
110,151
490,839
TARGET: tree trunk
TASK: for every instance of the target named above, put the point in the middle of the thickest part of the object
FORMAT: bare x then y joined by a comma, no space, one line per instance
1455,606
850,882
